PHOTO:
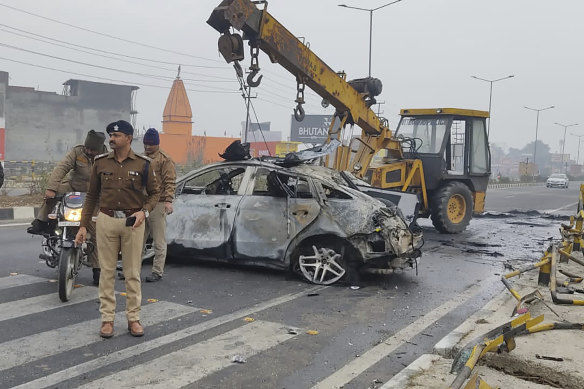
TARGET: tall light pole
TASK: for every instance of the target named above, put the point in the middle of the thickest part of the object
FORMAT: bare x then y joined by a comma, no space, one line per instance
491,95
370,10
564,141
578,158
536,126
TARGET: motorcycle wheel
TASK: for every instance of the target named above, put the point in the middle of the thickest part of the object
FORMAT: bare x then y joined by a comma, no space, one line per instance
67,272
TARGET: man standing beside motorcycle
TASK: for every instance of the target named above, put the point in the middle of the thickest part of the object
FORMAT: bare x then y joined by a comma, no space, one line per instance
118,182
72,175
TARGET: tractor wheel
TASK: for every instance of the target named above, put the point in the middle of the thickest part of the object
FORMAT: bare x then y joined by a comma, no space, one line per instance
452,208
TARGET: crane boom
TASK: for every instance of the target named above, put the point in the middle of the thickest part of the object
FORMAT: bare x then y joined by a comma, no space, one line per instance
352,105
446,163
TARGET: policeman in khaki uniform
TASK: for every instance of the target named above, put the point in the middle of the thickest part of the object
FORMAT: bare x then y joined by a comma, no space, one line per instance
72,175
156,223
127,189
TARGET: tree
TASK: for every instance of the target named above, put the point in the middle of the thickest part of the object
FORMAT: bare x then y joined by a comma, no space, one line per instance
543,161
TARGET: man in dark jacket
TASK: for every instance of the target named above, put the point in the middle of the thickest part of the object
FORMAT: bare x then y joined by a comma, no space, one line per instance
72,175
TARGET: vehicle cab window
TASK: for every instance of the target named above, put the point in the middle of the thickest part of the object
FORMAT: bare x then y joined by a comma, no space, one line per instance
273,183
220,181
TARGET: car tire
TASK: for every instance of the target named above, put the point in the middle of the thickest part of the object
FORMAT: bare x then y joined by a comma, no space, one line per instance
325,261
451,208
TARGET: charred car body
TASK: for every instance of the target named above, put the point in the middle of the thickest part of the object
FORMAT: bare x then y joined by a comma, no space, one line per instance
306,218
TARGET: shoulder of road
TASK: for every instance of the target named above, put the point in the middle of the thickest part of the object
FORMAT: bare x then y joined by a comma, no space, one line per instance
18,213
546,359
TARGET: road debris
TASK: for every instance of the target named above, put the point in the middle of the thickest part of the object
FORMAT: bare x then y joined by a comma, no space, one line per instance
547,358
238,359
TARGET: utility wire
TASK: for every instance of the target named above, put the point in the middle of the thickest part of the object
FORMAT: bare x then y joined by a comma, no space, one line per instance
106,35
146,75
112,57
246,95
109,52
107,79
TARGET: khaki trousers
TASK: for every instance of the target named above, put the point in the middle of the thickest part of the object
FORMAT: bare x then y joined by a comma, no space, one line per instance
112,237
156,226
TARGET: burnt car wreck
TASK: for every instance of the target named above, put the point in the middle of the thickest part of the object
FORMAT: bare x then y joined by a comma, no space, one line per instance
307,219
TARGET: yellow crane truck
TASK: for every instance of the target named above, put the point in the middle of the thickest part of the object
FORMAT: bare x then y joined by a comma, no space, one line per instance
441,155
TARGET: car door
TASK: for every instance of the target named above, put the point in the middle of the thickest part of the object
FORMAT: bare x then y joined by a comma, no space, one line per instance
276,207
204,212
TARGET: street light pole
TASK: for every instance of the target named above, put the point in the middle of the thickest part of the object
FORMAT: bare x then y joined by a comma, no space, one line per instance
564,141
491,95
578,157
370,10
536,127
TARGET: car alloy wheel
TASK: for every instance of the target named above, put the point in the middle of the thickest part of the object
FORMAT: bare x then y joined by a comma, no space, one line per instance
326,266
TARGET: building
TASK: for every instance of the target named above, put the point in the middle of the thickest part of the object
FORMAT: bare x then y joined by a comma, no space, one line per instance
177,140
43,125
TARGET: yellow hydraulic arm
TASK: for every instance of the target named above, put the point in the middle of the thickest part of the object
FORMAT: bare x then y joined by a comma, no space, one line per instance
265,33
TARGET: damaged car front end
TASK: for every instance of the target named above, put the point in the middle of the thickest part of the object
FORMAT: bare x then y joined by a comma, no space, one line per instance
302,218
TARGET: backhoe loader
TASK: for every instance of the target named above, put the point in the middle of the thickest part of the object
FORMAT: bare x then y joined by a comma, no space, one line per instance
441,155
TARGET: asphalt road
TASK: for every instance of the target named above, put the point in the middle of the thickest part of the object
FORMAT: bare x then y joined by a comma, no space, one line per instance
199,317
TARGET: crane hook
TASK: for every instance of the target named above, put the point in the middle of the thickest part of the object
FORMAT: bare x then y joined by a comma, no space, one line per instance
299,113
250,80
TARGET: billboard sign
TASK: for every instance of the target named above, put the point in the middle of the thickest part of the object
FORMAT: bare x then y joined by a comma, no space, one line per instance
313,129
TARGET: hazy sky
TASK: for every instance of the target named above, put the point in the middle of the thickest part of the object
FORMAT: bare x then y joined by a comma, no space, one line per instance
424,51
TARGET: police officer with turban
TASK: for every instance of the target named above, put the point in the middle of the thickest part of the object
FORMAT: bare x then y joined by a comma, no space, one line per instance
127,189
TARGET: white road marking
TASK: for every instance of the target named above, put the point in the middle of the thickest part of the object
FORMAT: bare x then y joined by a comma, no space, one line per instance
188,365
357,366
14,309
133,351
24,350
14,224
562,208
20,280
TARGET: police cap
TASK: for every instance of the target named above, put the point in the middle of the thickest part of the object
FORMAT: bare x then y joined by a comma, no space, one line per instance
120,126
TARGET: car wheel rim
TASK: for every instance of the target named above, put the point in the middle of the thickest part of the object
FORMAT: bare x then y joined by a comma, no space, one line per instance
322,268
456,208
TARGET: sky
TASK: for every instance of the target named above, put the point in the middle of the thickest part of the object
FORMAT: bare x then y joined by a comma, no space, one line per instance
424,52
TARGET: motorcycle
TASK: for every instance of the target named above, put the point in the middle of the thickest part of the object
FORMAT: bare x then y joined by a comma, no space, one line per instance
59,249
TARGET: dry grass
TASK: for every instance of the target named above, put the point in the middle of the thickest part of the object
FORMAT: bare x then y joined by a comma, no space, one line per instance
21,201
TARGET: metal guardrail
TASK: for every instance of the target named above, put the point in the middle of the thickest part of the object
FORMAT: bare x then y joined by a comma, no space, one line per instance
515,185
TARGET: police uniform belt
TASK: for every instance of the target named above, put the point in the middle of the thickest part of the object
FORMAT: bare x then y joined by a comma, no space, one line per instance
119,213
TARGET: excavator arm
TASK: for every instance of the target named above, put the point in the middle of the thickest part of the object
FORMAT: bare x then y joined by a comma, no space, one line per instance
352,99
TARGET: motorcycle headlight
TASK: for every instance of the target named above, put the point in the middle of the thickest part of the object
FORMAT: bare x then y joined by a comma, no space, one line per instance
72,214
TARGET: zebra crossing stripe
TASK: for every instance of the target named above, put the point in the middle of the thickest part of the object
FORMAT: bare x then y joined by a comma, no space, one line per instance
188,365
19,280
19,308
357,366
24,350
133,351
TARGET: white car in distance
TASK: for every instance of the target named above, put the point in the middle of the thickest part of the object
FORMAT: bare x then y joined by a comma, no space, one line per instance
557,180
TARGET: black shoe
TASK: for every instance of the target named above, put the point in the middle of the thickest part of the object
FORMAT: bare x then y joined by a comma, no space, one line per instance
154,277
38,227
96,274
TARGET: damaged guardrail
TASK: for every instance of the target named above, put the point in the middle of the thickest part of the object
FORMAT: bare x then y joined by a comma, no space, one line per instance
572,239
501,339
